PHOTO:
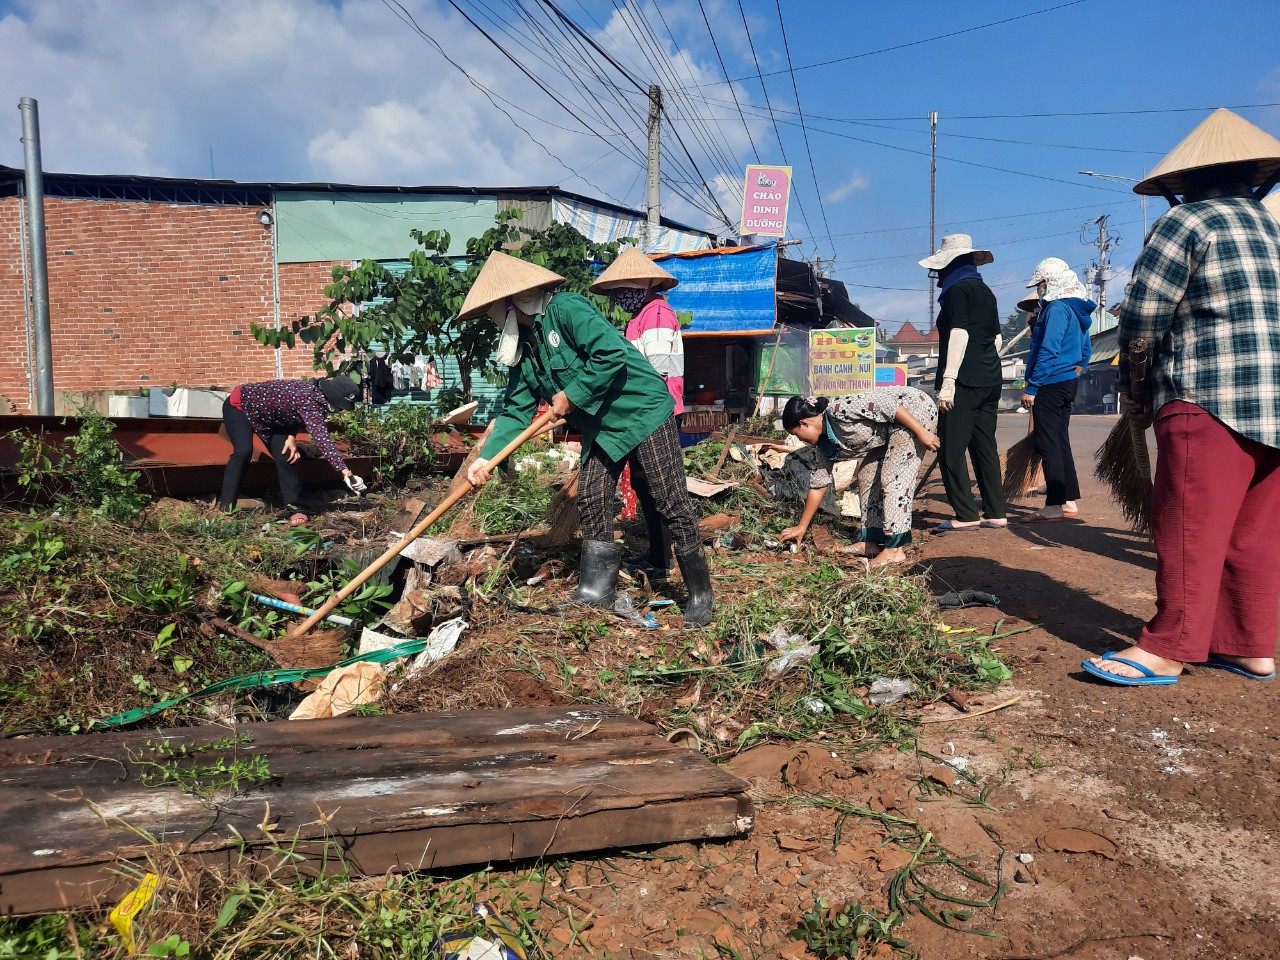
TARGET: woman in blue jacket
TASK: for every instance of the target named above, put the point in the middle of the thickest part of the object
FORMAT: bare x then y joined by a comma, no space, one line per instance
1060,350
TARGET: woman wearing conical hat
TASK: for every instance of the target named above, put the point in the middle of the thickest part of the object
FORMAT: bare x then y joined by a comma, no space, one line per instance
560,349
1205,296
635,284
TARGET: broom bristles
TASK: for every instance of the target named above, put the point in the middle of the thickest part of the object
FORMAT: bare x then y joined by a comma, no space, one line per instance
563,513
1020,465
1123,464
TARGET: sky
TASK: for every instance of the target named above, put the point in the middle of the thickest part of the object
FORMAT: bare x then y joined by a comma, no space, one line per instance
1028,93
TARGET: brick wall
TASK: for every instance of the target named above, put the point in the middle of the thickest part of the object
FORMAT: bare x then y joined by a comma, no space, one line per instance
149,294
301,295
13,345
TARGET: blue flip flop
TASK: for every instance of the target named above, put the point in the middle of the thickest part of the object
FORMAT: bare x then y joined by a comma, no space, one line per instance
1148,678
1218,663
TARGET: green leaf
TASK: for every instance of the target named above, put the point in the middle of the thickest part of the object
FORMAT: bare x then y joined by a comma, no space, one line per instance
182,664
228,911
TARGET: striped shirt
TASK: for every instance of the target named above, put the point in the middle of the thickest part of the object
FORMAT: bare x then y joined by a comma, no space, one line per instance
1205,295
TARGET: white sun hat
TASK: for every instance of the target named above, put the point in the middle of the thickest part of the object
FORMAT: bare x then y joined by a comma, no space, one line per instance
955,245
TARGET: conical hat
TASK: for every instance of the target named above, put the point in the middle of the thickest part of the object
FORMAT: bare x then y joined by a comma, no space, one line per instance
1272,202
1027,304
631,267
1221,138
504,276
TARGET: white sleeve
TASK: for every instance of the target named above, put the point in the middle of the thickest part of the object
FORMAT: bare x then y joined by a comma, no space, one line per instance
957,343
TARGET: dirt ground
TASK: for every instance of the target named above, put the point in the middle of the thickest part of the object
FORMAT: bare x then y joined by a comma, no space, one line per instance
1174,789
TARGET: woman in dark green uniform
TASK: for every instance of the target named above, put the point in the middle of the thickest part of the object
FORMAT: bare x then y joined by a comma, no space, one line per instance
560,349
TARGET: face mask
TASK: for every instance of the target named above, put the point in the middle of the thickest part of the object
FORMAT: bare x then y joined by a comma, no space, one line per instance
630,299
532,303
509,336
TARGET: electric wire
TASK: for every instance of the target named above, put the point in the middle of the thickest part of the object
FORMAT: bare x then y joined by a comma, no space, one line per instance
813,170
550,4
769,106
401,13
732,89
916,43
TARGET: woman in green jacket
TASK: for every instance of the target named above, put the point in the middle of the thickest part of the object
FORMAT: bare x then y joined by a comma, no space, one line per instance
560,349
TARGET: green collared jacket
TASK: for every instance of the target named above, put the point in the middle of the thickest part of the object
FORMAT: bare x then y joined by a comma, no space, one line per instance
618,398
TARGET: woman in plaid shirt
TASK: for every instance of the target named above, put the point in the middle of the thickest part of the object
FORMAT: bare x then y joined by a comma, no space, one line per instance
1205,294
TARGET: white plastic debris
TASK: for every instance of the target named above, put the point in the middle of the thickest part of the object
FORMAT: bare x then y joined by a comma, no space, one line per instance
889,690
792,648
1026,858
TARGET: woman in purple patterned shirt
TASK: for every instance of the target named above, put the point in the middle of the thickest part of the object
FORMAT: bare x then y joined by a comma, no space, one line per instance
278,410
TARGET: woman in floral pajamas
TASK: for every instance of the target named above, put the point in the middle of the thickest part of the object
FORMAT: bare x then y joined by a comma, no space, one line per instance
888,429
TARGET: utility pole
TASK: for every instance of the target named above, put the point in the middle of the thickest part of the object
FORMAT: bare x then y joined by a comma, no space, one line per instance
933,204
1099,273
34,190
653,205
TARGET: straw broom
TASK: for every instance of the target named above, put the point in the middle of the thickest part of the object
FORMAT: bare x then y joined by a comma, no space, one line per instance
1021,463
563,514
1122,462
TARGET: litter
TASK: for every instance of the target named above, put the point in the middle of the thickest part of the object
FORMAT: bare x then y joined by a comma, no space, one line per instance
956,600
887,691
793,650
130,906
344,689
487,938
296,608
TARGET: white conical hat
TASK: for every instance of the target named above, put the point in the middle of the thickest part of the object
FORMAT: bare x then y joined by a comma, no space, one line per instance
631,268
1221,138
504,276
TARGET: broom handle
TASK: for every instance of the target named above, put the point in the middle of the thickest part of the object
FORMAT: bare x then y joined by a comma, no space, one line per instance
421,528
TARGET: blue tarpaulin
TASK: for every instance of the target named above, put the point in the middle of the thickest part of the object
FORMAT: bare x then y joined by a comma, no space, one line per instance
729,292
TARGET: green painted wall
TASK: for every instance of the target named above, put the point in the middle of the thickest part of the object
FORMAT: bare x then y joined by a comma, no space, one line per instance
374,226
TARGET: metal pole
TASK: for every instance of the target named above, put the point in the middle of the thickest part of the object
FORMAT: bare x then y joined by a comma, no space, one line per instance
1102,265
653,205
34,188
933,203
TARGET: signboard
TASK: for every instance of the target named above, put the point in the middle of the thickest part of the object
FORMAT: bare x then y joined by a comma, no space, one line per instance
891,374
765,199
842,361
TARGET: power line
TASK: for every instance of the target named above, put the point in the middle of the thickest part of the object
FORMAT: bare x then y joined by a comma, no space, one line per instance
813,170
914,43
769,106
406,17
622,70
732,89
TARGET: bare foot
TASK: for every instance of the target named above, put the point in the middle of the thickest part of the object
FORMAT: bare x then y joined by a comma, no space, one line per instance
890,556
1259,665
861,549
1157,665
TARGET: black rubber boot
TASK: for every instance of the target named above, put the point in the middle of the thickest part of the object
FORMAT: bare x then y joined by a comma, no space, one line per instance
598,573
659,555
697,580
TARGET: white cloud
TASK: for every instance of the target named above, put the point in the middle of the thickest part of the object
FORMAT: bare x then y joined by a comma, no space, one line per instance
345,91
857,181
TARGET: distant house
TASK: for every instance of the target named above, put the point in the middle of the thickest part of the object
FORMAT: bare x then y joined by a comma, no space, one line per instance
910,344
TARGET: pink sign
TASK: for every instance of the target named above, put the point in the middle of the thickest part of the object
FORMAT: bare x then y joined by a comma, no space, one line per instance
764,201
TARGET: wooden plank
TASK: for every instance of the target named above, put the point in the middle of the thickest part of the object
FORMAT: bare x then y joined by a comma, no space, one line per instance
431,790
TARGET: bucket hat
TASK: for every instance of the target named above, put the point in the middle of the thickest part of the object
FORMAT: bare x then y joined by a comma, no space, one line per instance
1047,268
955,245
341,392
504,276
633,269
1221,138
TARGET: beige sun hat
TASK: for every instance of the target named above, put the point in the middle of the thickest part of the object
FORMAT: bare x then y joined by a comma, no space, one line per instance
633,269
504,276
955,245
1027,304
1272,202
1221,138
